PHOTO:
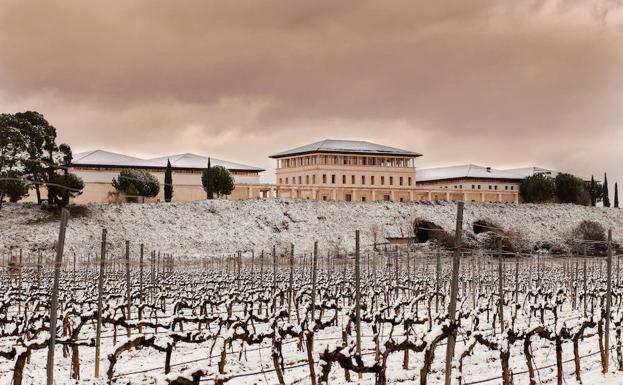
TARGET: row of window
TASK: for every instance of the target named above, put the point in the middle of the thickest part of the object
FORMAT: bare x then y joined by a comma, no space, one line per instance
344,160
479,187
353,180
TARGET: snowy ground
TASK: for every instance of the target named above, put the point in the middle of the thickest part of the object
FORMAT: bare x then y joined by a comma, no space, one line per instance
219,227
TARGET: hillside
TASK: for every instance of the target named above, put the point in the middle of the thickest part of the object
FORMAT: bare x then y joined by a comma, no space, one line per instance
219,227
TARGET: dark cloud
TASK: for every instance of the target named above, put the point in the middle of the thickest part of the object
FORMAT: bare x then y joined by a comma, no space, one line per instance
495,82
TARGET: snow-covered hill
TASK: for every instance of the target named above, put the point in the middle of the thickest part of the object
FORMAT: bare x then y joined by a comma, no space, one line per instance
220,227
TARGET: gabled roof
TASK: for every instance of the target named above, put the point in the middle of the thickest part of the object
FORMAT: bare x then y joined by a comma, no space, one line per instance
463,171
187,161
357,147
107,158
194,161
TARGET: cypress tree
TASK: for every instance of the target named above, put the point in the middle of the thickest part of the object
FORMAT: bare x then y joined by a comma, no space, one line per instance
616,195
208,184
592,190
606,198
168,183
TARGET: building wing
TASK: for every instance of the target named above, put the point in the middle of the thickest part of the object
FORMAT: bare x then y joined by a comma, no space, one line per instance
356,147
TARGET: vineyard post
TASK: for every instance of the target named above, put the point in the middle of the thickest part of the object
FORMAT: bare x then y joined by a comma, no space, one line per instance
538,270
274,270
127,284
516,279
19,280
313,293
252,262
437,281
261,266
100,288
608,302
500,285
453,291
73,278
238,263
53,306
357,298
38,268
140,276
291,281
584,285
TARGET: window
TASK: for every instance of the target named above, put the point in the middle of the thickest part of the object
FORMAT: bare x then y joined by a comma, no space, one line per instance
343,179
333,179
348,197
314,179
352,179
286,180
495,187
372,180
391,180
386,197
363,179
512,187
382,180
363,199
300,179
505,187
402,199
324,179
473,187
489,187
306,179
324,197
478,187
410,181
461,187
280,181
401,181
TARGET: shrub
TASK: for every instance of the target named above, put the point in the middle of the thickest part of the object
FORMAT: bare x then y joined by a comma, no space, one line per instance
146,185
571,189
588,233
425,231
217,180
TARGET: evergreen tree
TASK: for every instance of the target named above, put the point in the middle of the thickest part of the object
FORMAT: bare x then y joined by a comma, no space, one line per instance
144,183
592,189
616,195
537,188
217,180
12,187
606,197
168,183
571,189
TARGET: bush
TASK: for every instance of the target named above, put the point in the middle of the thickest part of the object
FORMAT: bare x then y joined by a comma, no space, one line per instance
217,180
74,186
586,234
483,225
425,231
144,183
12,187
537,188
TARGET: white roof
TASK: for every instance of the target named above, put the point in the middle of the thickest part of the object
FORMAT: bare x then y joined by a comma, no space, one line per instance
107,158
529,171
346,147
463,171
195,161
192,161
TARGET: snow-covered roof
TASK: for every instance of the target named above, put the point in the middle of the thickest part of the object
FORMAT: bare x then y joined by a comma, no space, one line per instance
464,171
195,161
529,171
187,161
346,147
107,158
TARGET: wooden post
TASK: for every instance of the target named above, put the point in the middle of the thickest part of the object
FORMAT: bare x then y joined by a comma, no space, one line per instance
100,288
357,298
516,280
313,293
274,270
500,286
140,276
291,281
453,291
437,281
128,284
53,307
608,302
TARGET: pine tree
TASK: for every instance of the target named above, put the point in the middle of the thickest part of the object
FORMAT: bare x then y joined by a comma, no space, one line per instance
616,195
168,183
606,198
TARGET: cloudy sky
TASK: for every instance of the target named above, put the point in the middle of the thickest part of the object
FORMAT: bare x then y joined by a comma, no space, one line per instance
497,83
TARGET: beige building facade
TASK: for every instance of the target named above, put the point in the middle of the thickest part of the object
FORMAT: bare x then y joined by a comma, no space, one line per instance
343,170
98,168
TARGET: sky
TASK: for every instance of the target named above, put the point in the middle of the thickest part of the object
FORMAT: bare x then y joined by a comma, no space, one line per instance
496,83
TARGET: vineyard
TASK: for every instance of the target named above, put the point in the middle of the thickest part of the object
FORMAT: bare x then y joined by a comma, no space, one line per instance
129,313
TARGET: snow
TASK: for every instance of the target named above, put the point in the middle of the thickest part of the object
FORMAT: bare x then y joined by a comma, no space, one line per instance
221,227
347,147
